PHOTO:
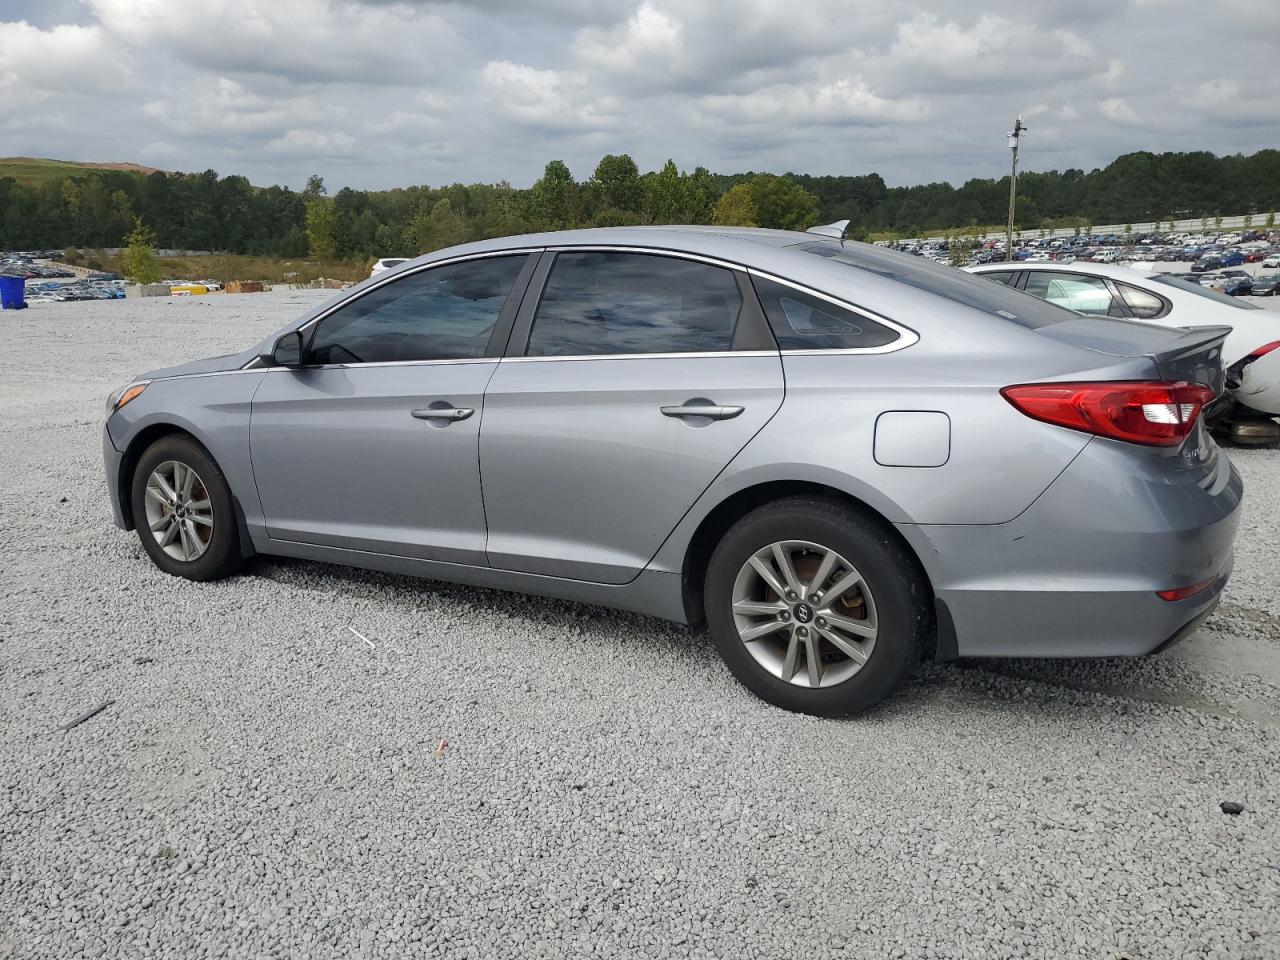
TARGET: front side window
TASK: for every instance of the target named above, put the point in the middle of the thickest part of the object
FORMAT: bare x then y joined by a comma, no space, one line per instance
1074,291
601,303
802,321
445,313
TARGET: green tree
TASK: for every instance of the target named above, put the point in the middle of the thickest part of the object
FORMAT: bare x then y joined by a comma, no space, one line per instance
783,204
617,182
735,208
438,226
664,195
553,200
1271,220
139,258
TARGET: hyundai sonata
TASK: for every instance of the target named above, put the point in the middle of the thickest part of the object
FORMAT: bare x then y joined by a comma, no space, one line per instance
842,459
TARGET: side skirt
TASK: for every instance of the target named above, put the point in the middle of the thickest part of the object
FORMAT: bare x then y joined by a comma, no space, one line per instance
652,593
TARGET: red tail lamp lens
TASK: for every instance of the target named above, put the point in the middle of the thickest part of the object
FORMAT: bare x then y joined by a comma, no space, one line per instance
1154,413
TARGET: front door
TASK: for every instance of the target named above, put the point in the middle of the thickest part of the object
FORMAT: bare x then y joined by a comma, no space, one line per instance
373,444
638,382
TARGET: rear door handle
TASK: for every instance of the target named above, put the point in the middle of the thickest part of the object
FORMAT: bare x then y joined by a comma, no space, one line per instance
699,408
442,413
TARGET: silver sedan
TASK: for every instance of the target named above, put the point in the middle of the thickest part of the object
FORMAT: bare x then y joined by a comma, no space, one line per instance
841,459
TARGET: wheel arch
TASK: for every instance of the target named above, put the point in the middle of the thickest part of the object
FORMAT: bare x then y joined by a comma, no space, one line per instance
738,504
138,445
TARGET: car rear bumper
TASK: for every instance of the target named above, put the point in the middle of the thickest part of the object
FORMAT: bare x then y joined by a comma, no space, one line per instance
111,458
1077,573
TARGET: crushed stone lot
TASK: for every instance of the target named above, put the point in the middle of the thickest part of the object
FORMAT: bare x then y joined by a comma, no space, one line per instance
266,784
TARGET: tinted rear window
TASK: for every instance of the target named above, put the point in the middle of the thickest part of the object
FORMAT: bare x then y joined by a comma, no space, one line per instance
618,303
947,282
1191,286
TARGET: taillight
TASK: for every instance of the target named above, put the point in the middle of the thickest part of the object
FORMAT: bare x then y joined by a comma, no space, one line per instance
1263,350
1151,412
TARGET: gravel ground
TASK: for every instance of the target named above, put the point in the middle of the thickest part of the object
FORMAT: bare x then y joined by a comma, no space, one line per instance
265,784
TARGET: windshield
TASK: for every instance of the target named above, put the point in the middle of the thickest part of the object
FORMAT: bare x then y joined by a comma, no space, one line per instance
947,282
1202,291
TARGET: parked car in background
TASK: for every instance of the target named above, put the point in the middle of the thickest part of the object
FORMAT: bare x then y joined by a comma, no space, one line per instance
1272,260
1206,263
1264,285
1251,352
740,426
386,263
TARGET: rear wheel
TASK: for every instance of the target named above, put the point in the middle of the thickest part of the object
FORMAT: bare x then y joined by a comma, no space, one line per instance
815,607
183,511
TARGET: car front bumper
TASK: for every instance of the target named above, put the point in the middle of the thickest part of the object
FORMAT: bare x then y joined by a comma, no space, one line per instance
1077,573
111,458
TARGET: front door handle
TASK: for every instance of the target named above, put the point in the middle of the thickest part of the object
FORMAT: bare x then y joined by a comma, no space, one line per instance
701,408
442,413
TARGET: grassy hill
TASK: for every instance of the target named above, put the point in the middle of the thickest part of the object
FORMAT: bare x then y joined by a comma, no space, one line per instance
35,170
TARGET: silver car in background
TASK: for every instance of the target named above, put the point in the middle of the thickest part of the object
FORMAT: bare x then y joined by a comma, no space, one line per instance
842,459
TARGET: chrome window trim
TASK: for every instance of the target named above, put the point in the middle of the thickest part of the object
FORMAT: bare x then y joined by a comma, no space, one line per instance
906,336
386,363
710,354
394,274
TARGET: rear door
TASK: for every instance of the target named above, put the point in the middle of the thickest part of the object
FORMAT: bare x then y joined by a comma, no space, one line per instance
633,383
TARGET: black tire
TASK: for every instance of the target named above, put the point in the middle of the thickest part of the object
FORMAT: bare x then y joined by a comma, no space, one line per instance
901,599
221,556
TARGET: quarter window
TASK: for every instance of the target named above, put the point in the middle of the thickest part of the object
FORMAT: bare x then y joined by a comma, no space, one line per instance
802,321
618,303
997,276
1074,291
1141,304
446,313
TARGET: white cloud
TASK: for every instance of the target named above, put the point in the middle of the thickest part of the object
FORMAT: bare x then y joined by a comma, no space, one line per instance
67,59
304,40
840,102
1117,109
550,100
312,144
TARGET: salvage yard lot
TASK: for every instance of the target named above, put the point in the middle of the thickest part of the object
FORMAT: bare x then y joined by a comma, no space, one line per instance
267,784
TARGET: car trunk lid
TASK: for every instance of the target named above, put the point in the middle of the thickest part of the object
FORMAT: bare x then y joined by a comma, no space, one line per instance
1190,354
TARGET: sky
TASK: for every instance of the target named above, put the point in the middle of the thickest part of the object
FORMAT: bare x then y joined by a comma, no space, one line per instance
385,93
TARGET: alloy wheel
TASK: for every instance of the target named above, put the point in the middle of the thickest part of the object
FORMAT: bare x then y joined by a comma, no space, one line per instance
804,613
179,511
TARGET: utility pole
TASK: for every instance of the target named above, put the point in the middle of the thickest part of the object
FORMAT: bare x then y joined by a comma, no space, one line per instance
1014,134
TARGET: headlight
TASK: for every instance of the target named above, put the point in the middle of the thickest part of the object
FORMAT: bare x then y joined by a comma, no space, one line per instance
122,396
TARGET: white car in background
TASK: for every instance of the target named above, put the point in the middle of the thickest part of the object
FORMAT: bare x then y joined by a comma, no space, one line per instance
1272,261
1250,354
386,263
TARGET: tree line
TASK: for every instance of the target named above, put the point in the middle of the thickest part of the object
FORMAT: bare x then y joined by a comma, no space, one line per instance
204,212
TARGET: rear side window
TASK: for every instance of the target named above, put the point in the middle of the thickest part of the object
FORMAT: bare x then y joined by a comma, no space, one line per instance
446,313
1141,303
971,290
600,303
802,321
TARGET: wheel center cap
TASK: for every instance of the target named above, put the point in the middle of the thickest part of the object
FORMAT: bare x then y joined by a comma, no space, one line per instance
803,613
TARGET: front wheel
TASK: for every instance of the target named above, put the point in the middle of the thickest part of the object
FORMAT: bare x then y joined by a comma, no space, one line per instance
815,607
183,511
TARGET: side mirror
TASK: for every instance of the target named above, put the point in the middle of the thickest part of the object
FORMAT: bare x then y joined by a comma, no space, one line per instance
287,351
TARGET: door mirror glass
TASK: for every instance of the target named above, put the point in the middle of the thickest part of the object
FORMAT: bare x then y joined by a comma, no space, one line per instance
287,351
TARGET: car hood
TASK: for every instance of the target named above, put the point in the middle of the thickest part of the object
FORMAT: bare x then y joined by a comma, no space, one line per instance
230,361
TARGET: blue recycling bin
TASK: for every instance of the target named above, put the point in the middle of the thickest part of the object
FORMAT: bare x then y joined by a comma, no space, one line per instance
12,292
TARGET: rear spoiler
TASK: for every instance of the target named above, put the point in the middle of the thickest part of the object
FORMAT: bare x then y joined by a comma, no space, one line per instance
1195,356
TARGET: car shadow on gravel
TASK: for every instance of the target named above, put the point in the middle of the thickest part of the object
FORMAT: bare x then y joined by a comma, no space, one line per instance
1172,678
